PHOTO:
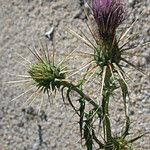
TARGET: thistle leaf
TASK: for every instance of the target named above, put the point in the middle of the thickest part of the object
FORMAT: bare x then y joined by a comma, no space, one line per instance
81,110
138,137
70,102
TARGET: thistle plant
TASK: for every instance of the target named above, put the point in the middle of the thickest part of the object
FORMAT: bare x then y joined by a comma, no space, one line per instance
106,65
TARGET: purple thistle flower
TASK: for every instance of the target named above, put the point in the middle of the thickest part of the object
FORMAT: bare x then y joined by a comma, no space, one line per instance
108,14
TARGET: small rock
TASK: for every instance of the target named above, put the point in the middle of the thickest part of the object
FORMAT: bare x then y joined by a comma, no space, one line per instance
49,34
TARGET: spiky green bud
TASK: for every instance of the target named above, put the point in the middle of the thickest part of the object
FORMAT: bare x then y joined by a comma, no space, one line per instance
46,75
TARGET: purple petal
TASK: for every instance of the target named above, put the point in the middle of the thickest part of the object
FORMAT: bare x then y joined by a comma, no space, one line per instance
108,14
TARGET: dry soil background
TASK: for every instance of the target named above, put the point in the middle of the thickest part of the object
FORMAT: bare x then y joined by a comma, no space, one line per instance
22,23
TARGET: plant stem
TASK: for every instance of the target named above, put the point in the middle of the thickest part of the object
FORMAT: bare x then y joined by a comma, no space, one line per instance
80,92
105,106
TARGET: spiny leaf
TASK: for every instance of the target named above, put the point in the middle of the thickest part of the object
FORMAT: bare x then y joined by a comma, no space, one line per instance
138,137
88,130
82,110
127,127
101,145
68,97
88,136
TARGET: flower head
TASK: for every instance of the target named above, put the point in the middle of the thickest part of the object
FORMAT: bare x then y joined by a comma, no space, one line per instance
108,14
44,75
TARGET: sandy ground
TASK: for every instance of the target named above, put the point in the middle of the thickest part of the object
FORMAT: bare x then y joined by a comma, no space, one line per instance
22,24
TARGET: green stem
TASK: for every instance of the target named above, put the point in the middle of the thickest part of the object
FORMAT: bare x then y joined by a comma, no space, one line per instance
105,106
76,89
97,107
